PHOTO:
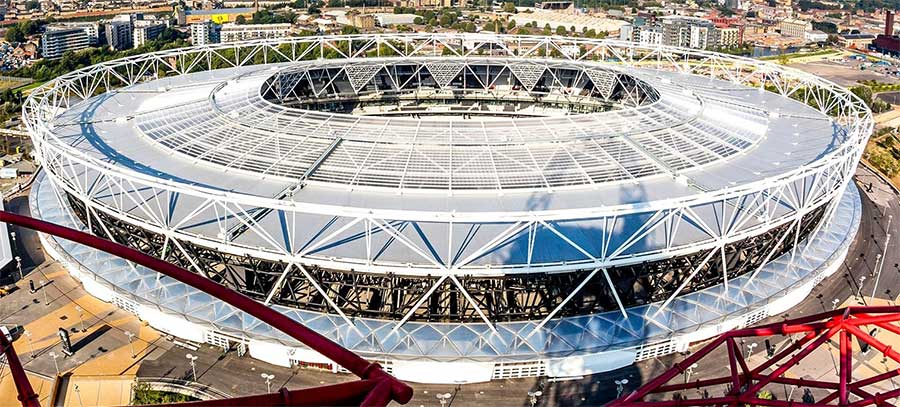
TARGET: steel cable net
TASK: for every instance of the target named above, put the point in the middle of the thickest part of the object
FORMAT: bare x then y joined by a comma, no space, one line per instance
852,379
376,387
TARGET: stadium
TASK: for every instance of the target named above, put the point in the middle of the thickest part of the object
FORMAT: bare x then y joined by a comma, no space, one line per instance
457,207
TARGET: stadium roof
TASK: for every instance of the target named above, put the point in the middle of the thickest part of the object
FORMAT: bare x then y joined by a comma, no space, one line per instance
708,133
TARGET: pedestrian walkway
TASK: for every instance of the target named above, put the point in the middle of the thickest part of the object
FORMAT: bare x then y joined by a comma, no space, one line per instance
43,386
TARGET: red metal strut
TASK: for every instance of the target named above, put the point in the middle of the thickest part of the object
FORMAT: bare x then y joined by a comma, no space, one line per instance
746,385
377,388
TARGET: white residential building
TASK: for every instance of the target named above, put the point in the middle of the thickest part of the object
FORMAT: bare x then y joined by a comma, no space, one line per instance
56,42
204,33
147,30
233,32
91,29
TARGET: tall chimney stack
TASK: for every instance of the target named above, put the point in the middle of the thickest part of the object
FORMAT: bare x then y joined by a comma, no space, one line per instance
889,23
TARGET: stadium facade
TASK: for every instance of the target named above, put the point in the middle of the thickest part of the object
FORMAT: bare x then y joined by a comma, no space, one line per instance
458,207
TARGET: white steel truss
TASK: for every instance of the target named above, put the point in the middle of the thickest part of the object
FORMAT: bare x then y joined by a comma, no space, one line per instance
705,221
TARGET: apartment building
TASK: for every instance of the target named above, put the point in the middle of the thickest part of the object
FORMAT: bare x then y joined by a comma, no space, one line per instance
233,32
57,41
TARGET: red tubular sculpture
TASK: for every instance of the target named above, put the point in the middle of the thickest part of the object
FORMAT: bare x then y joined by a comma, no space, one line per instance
376,389
26,394
743,385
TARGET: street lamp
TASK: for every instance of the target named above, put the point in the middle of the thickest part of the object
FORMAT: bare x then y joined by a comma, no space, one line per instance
192,358
30,345
689,371
887,241
750,348
131,343
44,289
78,394
444,397
862,279
81,317
19,266
533,397
835,303
12,236
266,376
55,363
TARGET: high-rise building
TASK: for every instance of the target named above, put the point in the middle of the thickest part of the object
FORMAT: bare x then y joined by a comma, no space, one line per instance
234,32
147,30
91,29
204,33
57,41
650,35
118,35
691,32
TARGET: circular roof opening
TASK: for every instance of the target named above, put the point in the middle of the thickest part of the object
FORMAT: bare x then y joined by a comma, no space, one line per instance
445,87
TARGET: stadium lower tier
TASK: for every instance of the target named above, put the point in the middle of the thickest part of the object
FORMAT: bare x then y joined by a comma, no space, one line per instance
444,341
510,297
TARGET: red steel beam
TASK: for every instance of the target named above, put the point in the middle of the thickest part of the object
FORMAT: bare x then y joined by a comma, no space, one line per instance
845,322
396,390
26,393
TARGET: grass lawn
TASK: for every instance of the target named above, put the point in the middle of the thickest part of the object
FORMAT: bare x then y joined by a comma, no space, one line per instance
27,88
8,84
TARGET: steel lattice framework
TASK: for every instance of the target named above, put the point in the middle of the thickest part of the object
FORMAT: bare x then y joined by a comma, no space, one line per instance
346,208
747,381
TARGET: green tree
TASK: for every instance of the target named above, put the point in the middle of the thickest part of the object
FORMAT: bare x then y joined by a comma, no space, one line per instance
560,30
510,25
13,34
547,30
143,394
241,20
509,7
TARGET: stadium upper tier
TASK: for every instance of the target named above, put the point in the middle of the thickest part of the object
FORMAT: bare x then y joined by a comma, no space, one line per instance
685,142
685,127
500,158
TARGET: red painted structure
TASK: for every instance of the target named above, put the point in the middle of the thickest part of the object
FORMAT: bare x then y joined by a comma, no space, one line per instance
743,383
377,388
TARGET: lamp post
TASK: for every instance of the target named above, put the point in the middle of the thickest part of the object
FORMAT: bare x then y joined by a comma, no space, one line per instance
192,358
533,397
44,289
862,280
879,267
834,303
78,394
620,387
81,317
55,363
443,398
19,267
30,345
12,236
131,343
750,349
266,376
689,371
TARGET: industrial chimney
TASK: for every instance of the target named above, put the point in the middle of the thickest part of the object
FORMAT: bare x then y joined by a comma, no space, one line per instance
889,23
